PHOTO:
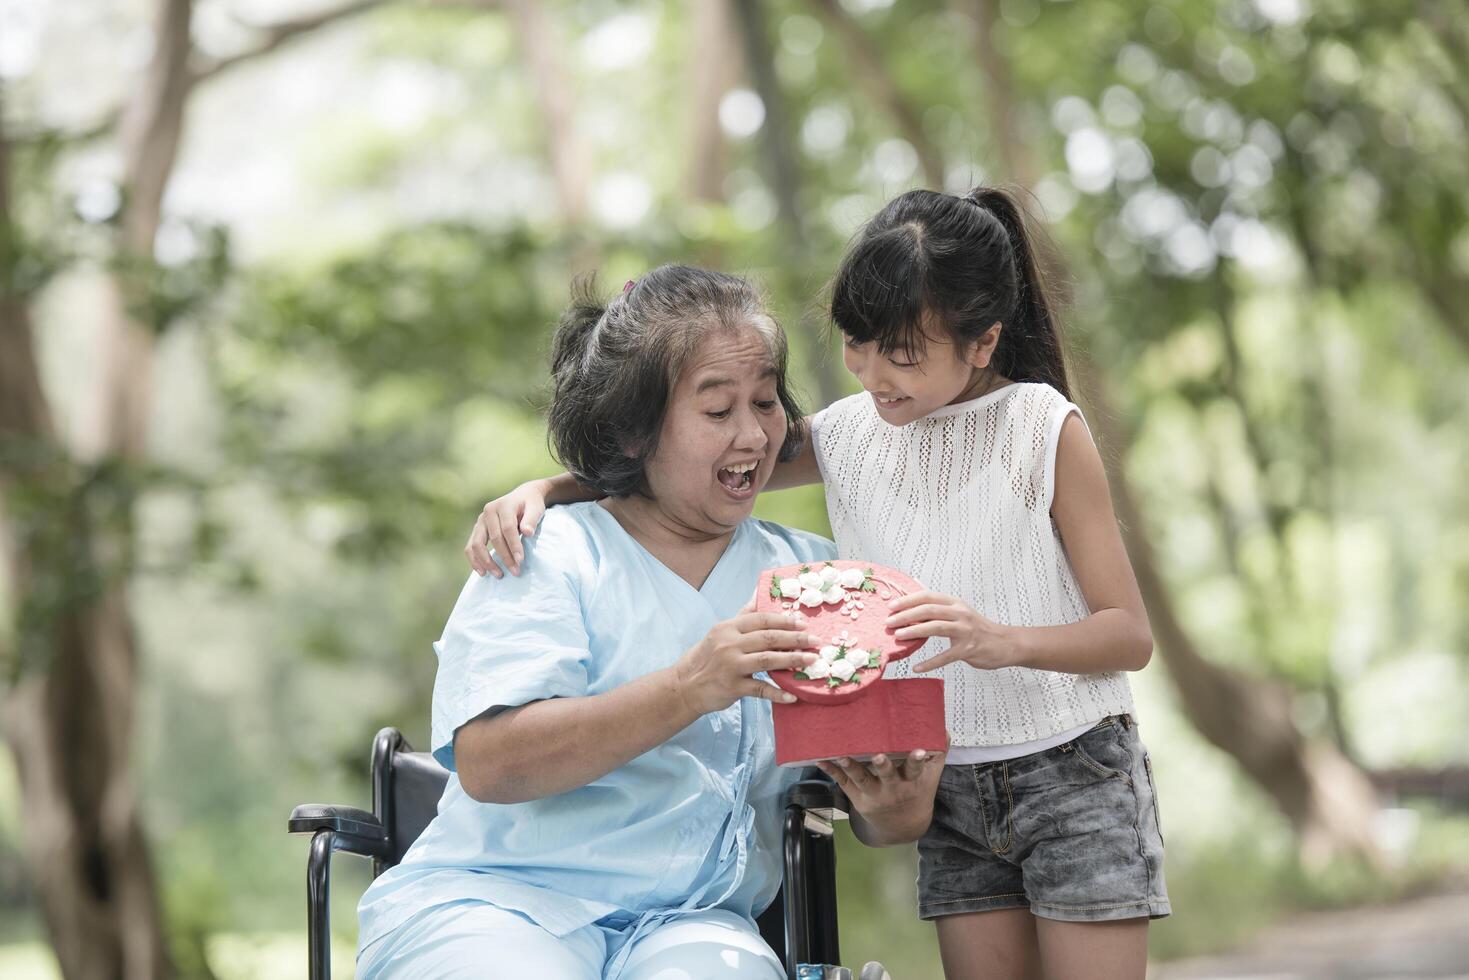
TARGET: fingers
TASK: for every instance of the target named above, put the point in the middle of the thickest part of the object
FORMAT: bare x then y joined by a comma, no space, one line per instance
771,660
838,776
775,639
912,766
917,599
922,613
478,552
937,661
760,689
857,775
505,539
753,621
535,509
883,768
934,627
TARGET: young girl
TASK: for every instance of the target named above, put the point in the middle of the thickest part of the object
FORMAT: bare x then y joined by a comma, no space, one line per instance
965,464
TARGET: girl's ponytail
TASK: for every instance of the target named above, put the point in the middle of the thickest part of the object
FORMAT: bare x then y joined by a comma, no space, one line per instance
1030,346
961,264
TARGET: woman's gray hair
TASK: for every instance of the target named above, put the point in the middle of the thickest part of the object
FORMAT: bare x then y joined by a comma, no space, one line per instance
614,365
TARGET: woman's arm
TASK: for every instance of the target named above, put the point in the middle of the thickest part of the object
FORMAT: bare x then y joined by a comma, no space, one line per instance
892,803
551,746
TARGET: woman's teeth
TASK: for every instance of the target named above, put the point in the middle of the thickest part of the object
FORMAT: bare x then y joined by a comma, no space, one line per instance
738,476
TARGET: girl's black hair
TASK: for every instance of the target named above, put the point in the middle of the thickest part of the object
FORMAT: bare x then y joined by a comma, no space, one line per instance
614,365
957,264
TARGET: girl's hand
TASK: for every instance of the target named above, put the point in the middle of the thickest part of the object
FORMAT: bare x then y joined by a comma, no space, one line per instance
894,799
972,638
500,526
719,669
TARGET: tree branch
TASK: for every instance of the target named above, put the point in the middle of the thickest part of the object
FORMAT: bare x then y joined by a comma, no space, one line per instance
872,74
275,35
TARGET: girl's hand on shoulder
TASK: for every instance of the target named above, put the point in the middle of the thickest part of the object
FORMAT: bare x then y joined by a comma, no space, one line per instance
895,798
497,531
973,639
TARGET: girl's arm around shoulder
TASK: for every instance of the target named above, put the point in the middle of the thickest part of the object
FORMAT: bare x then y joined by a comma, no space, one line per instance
800,471
1118,635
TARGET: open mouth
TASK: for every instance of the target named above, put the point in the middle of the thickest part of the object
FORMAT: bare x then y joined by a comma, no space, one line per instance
889,402
737,477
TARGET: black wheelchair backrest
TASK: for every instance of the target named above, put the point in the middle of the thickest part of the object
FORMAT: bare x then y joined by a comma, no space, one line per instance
406,787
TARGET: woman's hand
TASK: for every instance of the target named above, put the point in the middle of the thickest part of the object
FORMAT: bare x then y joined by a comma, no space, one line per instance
894,800
500,526
719,669
973,639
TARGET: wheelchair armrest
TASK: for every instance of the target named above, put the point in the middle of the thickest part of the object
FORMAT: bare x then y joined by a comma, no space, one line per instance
357,831
822,799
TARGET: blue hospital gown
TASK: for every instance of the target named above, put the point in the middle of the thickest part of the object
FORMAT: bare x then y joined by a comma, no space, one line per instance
693,824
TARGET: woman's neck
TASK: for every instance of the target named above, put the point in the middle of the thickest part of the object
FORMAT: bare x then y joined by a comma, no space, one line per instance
689,552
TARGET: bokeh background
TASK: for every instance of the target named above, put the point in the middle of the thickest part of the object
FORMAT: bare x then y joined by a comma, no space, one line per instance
276,285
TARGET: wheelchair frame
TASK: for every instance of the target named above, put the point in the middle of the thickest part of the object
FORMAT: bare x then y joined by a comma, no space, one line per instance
800,925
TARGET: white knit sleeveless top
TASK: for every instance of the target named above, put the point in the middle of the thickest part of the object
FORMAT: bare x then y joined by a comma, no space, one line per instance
961,501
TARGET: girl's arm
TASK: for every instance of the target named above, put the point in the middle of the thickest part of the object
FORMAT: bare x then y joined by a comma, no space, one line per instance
505,519
1115,636
801,471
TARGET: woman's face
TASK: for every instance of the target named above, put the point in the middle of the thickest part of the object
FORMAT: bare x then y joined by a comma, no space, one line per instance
721,433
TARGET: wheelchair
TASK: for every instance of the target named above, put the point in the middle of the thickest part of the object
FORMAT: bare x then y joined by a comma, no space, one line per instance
800,925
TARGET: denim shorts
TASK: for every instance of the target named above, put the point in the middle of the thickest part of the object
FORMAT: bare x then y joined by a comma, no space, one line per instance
1070,833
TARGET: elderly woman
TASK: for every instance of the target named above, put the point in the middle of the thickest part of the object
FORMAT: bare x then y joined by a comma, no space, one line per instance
613,804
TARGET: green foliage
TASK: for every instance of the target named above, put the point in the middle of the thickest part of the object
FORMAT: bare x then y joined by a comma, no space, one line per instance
1273,274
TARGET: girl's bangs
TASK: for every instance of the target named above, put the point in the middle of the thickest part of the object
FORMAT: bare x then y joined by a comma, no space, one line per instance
879,297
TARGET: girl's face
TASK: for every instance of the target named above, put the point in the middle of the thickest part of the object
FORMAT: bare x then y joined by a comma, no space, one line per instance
940,374
722,431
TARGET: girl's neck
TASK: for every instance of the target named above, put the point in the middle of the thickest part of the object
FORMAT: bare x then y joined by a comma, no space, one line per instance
983,382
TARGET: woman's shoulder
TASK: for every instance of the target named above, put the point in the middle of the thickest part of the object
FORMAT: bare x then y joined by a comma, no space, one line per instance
787,545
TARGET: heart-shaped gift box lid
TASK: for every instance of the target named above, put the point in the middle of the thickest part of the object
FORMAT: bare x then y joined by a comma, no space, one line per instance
846,604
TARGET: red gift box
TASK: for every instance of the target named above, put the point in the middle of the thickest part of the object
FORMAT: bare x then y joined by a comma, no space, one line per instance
847,708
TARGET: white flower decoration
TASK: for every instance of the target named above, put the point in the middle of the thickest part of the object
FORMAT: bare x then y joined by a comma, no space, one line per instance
850,578
820,669
811,580
790,588
843,670
858,657
811,597
828,654
829,575
833,594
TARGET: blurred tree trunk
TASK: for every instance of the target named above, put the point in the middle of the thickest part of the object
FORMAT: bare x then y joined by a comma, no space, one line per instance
67,709
713,68
551,85
869,71
783,173
70,681
1328,800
